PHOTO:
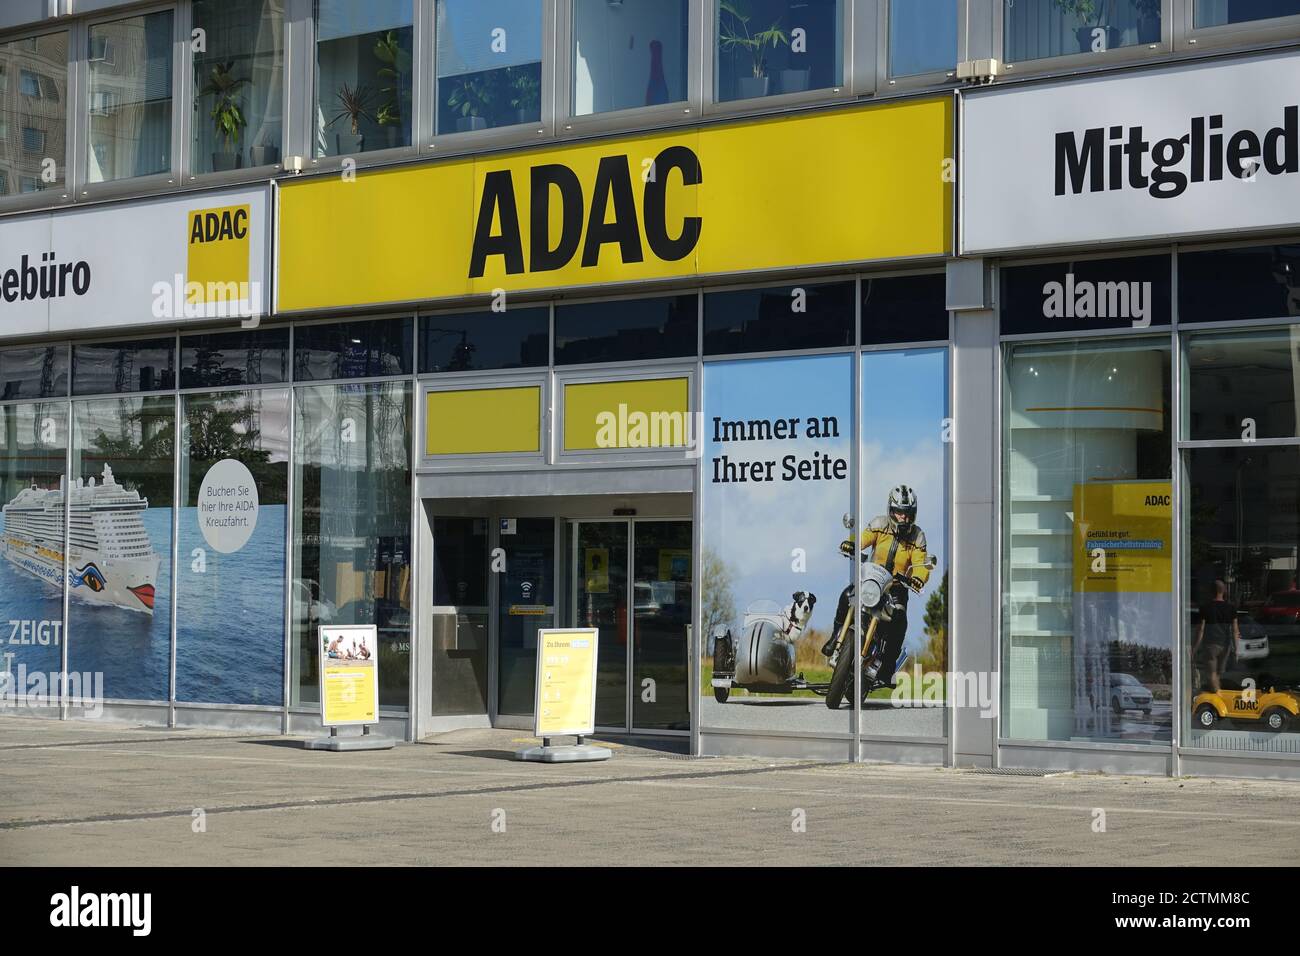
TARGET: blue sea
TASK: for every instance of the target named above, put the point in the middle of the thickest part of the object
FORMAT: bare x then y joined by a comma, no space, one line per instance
230,622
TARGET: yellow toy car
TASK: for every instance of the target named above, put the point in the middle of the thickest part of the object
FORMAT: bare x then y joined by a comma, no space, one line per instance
1276,709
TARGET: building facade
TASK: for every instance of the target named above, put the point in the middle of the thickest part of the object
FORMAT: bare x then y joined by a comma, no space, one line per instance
466,319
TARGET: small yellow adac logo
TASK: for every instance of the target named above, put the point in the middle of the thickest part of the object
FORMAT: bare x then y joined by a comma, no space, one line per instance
219,254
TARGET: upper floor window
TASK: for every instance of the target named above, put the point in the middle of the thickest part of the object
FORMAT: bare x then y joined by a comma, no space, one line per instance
1037,29
629,54
489,64
363,76
922,36
1218,13
769,47
34,125
130,97
238,84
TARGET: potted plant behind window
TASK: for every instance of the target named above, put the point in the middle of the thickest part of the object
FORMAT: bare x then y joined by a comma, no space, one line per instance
1148,13
735,37
525,94
471,100
1092,14
354,105
396,68
227,116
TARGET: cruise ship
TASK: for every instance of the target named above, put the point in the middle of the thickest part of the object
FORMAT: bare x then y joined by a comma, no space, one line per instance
111,560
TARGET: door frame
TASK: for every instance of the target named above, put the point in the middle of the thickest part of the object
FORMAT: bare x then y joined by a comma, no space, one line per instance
565,509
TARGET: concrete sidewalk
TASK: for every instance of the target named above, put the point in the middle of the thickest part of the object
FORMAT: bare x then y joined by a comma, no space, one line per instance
95,794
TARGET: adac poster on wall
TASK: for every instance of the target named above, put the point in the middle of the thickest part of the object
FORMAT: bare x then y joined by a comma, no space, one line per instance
349,676
1123,606
777,483
566,682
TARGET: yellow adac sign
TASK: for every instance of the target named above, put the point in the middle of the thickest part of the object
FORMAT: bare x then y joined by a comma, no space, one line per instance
566,681
847,185
1123,537
218,254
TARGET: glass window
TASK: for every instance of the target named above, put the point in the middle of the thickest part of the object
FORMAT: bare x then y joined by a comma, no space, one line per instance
142,365
1035,29
460,615
489,64
352,527
778,319
34,125
1259,282
363,76
904,393
362,349
922,36
1242,386
238,84
778,442
36,372
904,309
1242,635
1087,294
629,54
120,538
219,359
130,97
33,459
1087,529
1217,13
464,341
769,47
230,589
626,330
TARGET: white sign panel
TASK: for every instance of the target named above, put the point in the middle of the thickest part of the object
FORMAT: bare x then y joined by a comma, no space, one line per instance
1186,151
151,262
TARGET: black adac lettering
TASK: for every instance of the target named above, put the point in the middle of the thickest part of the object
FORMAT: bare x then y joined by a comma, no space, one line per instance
656,205
498,201
542,257
613,181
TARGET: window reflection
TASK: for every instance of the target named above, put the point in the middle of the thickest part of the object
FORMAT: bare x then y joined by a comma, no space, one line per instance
489,64
37,372
769,47
352,350
1036,29
239,84
141,365
130,97
34,123
465,341
628,55
363,76
626,330
352,540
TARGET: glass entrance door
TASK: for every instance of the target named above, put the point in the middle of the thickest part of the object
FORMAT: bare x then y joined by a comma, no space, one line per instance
643,564
525,605
600,600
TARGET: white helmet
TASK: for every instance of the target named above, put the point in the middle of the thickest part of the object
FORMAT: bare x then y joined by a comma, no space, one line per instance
902,500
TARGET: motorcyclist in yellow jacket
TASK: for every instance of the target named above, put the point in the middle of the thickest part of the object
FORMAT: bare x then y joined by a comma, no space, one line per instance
895,542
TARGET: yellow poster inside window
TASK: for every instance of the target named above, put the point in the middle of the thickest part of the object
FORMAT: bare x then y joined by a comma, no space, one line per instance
1123,533
566,681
